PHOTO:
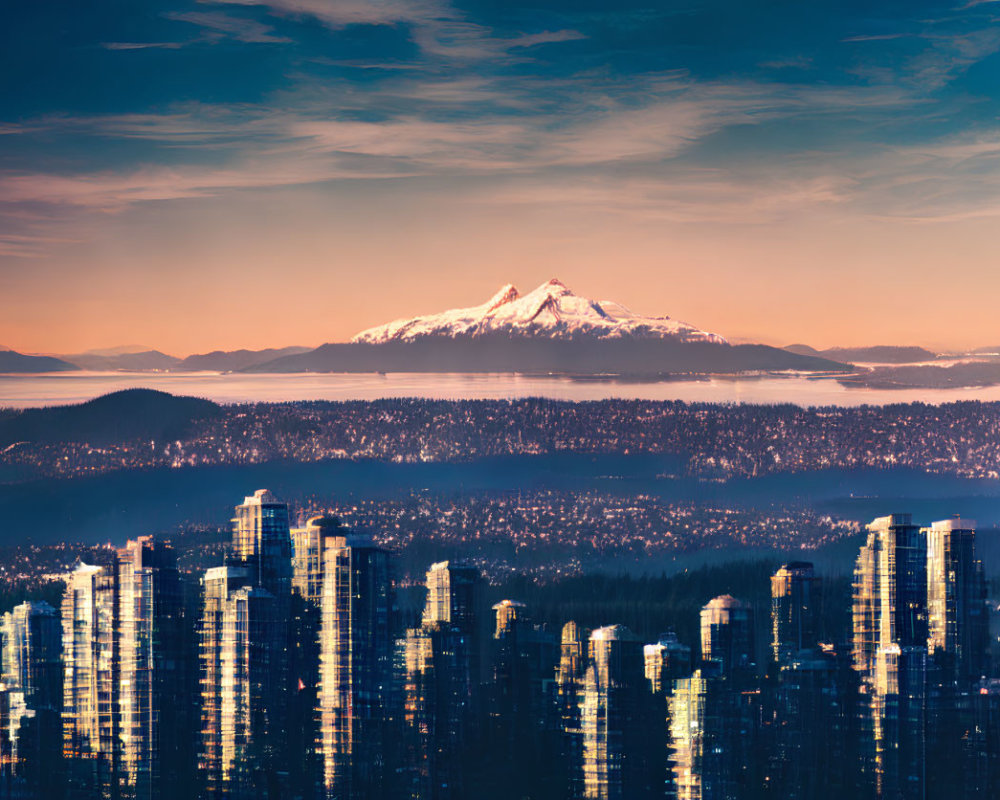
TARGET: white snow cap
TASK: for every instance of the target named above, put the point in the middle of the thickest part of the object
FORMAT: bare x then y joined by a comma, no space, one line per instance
550,311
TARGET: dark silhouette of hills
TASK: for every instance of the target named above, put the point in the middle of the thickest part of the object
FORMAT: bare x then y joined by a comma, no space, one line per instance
928,376
582,356
236,360
802,350
148,359
12,361
881,354
112,418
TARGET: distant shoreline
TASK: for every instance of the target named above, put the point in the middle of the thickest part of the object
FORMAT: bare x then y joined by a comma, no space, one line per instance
803,389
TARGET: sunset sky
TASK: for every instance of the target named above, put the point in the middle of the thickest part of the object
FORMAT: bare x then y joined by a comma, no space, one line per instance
254,173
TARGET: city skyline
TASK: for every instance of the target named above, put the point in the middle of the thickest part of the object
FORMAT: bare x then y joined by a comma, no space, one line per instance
755,170
255,680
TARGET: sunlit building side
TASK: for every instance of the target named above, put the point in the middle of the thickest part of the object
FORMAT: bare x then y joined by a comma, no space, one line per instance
31,699
355,670
727,636
441,666
81,713
958,625
665,661
32,653
569,687
793,610
890,609
308,546
262,541
154,728
619,748
686,706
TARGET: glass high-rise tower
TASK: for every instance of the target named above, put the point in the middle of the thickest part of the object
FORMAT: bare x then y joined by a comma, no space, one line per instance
958,626
793,610
125,666
355,669
890,652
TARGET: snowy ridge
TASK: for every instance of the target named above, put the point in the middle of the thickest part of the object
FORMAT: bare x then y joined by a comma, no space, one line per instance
551,311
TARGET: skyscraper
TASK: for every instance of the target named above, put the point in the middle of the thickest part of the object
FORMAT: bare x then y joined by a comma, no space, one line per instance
686,712
155,728
890,651
32,653
453,595
82,749
242,641
308,544
124,650
793,612
665,661
246,649
355,669
956,600
262,541
31,699
569,687
507,613
727,636
91,741
442,680
620,753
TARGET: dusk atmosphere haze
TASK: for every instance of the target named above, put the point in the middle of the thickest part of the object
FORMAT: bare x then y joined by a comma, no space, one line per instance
292,172
499,400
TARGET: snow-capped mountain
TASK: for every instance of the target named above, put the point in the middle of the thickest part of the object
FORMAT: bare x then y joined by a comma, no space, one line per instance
550,311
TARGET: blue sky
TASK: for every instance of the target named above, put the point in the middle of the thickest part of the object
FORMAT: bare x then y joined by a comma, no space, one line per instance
722,162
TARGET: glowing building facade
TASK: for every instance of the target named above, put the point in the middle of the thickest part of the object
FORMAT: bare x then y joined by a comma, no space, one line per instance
308,545
890,653
355,691
242,693
154,728
245,648
125,660
262,541
958,626
665,661
793,610
727,636
617,720
442,662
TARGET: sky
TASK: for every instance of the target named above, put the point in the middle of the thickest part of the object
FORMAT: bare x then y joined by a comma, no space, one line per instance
257,173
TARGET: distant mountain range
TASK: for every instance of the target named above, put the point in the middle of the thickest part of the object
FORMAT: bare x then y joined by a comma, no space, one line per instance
879,354
549,330
143,360
129,359
11,361
236,360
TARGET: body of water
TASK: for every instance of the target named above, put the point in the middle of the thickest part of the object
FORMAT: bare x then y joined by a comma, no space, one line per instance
26,391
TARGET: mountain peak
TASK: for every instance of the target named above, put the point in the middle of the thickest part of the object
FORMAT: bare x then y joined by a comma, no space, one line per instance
507,294
550,311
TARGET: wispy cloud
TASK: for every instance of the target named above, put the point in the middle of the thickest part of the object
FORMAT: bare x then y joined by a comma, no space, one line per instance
299,145
115,192
142,45
241,29
29,246
438,28
877,37
355,12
